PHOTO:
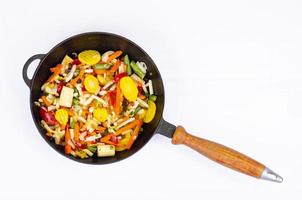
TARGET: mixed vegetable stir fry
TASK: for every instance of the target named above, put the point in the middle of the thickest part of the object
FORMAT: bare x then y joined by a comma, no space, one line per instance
96,104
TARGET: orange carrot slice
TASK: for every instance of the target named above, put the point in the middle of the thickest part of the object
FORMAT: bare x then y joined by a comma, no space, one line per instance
118,100
75,80
56,72
76,132
114,55
67,138
127,127
44,99
134,134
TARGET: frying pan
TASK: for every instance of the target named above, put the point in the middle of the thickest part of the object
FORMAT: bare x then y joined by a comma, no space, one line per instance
102,42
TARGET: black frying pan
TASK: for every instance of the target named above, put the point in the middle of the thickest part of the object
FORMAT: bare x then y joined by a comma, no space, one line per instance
107,41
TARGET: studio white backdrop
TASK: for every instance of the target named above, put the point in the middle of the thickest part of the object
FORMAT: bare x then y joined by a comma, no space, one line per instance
232,72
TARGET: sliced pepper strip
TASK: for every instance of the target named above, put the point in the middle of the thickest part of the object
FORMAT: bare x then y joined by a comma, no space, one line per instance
44,99
134,134
56,72
114,55
67,138
127,127
106,139
75,80
118,100
101,129
76,132
115,67
100,71
112,96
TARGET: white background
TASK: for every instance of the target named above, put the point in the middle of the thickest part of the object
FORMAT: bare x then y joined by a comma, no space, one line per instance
232,72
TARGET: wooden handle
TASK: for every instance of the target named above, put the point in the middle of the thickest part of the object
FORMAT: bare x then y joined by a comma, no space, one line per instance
219,153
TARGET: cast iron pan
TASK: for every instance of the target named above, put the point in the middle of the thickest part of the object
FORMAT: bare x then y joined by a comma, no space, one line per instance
107,41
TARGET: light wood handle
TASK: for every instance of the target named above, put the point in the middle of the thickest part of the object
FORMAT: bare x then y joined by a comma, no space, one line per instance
219,153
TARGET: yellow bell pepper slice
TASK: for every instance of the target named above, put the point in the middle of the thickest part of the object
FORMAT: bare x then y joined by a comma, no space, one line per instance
150,112
129,88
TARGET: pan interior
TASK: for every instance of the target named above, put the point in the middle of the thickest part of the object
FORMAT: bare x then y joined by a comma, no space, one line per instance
101,42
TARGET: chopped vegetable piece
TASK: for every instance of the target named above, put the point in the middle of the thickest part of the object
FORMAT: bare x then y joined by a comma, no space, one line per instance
115,67
127,127
62,116
141,114
66,60
108,139
101,66
75,62
119,76
129,88
90,57
48,117
101,71
127,62
118,100
150,112
100,114
105,150
112,96
66,97
134,134
60,87
75,80
137,70
92,148
56,72
123,142
136,110
72,122
152,98
91,84
114,55
67,139
76,132
47,103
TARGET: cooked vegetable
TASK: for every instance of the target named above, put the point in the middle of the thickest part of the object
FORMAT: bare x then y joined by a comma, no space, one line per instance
90,57
66,97
150,112
66,60
57,70
134,134
129,88
91,84
67,141
127,62
102,66
137,70
71,122
48,117
45,100
152,97
114,55
62,116
95,105
123,142
100,114
119,76
105,150
60,87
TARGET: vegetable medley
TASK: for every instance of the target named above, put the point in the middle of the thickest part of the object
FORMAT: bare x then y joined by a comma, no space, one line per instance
96,103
